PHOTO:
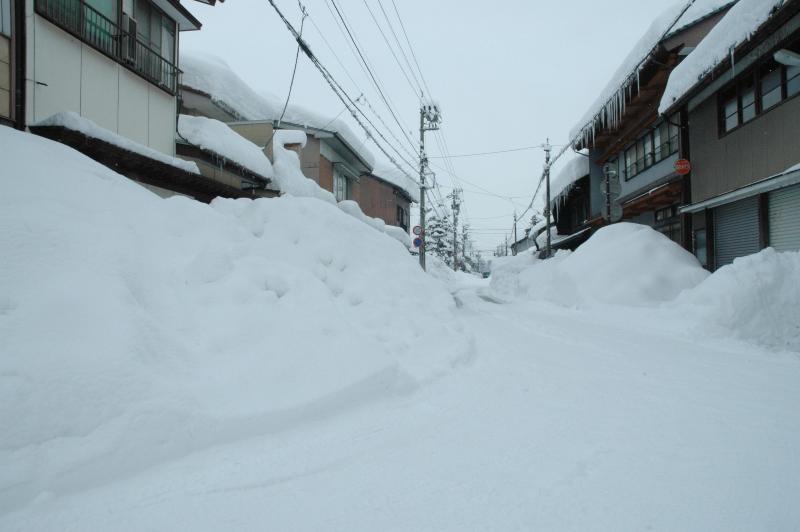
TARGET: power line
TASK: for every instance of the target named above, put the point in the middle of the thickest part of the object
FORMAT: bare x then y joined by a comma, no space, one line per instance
369,71
508,150
411,48
340,92
400,46
389,46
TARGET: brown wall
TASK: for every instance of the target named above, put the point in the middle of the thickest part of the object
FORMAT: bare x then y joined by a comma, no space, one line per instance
325,172
761,148
378,199
311,162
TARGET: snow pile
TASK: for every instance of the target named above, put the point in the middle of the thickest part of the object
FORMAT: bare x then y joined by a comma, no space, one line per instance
735,28
621,264
290,180
755,299
75,122
609,106
400,179
215,136
214,77
137,329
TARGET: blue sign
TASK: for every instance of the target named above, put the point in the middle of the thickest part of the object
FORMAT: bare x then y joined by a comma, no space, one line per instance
417,242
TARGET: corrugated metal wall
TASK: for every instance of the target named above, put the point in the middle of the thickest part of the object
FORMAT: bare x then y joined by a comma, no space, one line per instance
736,231
784,219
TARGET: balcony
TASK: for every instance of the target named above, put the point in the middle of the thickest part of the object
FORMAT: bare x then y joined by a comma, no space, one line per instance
103,34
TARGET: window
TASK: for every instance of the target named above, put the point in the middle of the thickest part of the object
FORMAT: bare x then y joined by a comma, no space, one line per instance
341,187
748,102
654,146
730,109
701,246
758,92
151,54
402,218
107,8
793,75
5,17
668,223
771,90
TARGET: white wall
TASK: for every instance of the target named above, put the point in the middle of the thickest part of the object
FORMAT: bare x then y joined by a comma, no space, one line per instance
65,74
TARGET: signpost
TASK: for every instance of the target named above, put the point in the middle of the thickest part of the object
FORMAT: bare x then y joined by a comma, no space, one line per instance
417,242
417,230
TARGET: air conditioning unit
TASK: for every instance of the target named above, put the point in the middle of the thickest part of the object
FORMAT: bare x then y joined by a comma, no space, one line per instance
129,27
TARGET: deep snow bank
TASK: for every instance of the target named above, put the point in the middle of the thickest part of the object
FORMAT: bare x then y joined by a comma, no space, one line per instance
754,299
136,329
625,264
757,298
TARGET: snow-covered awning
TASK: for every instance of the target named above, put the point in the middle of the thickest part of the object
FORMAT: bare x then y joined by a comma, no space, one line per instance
743,20
607,110
574,169
75,122
213,135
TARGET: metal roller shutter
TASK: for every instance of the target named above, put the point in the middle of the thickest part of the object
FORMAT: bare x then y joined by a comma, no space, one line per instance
736,230
784,219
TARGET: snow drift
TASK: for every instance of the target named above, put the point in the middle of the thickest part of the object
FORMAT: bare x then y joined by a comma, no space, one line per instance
136,329
753,299
622,264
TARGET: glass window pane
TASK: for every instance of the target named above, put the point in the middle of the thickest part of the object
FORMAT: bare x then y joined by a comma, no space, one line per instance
107,8
5,17
792,80
748,103
142,16
155,30
167,41
771,87
648,149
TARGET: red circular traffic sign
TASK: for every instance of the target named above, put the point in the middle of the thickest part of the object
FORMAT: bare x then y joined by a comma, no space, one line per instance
683,166
417,230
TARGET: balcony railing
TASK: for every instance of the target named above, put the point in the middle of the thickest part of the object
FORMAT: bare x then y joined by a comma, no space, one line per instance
89,25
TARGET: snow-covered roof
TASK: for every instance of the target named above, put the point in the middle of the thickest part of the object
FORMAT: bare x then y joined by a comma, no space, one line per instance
400,179
213,76
213,135
610,103
574,169
736,27
75,122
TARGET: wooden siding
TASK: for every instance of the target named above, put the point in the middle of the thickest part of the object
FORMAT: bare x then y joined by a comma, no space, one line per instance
379,199
763,147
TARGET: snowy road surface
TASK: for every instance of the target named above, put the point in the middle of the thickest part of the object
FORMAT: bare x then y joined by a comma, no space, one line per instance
560,420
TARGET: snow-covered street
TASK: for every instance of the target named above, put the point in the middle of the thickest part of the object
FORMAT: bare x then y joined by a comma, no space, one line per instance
162,370
561,419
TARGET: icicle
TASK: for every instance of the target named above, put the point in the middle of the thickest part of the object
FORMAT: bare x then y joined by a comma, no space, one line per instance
733,62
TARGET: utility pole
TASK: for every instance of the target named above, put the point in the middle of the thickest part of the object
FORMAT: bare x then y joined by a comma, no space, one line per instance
429,118
547,149
456,206
514,247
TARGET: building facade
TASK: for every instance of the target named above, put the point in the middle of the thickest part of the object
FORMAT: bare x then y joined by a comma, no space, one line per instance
112,62
642,146
745,122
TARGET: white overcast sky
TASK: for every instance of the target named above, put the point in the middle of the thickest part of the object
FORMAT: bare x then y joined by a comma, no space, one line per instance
507,73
